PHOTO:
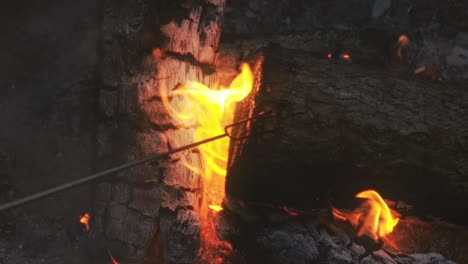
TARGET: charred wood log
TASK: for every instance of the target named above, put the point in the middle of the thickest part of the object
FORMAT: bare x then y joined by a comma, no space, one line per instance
345,128
148,45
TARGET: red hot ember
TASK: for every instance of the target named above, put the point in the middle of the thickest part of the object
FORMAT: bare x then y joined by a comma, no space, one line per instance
84,219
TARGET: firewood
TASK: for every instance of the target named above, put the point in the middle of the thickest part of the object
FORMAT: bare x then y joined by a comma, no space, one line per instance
148,45
346,128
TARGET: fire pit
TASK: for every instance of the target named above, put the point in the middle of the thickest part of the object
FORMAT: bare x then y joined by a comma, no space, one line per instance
248,131
342,113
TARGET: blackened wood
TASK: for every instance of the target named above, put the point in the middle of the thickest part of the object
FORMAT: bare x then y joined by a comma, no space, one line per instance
148,46
347,128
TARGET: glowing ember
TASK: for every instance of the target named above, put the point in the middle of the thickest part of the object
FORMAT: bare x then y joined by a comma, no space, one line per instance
212,109
373,219
112,259
290,212
403,40
157,53
329,56
84,219
346,56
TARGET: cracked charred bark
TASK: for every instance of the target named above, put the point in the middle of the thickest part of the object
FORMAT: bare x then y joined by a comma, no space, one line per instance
345,128
145,45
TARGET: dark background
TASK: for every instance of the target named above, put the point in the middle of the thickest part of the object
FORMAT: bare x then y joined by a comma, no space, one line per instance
48,54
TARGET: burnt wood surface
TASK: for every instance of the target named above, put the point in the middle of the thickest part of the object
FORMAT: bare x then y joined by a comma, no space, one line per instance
346,128
148,46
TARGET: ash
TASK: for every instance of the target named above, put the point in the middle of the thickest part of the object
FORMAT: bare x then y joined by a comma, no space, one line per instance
266,235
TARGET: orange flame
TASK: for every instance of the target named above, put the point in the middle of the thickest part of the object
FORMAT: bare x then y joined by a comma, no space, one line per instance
374,219
212,109
84,219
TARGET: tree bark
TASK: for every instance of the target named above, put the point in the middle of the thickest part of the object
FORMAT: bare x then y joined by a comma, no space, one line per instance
345,128
147,45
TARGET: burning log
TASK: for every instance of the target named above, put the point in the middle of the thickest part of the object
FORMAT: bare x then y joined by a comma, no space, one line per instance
347,128
148,46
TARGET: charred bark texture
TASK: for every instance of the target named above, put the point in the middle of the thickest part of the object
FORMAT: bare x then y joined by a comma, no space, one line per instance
147,45
345,128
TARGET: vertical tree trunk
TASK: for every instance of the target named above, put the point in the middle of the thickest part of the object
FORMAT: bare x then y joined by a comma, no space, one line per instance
145,45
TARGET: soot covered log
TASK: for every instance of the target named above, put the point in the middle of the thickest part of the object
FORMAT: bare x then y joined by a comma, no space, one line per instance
344,128
150,212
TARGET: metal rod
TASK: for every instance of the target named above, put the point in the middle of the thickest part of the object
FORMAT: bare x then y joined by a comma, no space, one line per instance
101,174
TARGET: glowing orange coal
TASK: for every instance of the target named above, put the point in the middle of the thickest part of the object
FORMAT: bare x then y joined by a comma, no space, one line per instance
157,53
211,108
84,219
402,42
373,218
346,56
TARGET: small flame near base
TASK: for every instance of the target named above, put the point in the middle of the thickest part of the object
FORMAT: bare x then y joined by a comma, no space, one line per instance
374,218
